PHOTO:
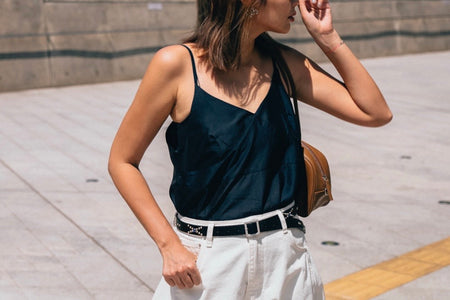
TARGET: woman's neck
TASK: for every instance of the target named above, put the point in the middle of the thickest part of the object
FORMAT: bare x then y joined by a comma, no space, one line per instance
249,53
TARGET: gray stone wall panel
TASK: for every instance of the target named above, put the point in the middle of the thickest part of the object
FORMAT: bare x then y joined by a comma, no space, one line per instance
89,61
412,9
88,43
79,69
174,36
431,42
133,66
128,68
122,41
365,10
18,74
32,43
75,18
21,17
137,16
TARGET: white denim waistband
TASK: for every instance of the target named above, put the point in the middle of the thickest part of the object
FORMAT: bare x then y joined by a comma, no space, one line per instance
250,219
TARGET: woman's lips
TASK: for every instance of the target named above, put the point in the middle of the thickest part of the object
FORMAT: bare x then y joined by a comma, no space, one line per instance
291,17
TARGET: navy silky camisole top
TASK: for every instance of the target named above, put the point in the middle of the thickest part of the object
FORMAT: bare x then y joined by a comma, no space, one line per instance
230,163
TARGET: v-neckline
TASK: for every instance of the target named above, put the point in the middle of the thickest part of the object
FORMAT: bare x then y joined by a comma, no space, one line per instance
265,99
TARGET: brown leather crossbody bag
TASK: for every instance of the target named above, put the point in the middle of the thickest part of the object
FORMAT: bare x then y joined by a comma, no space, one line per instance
317,178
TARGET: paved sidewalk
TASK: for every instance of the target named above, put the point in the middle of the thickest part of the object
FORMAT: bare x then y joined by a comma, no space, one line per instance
65,233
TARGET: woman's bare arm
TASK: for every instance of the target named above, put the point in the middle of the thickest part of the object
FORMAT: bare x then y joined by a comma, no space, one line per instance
358,100
153,103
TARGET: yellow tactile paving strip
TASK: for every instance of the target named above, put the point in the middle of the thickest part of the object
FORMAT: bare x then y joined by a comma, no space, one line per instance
390,274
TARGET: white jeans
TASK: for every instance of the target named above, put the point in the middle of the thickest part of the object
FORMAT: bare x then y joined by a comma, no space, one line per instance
270,265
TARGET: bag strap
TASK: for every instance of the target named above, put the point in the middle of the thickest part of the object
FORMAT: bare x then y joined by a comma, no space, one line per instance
286,76
296,113
301,206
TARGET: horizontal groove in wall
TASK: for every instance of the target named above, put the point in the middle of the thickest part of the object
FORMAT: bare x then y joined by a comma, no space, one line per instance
78,53
375,35
147,50
395,18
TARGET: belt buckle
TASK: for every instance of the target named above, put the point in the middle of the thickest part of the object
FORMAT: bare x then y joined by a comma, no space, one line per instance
258,231
195,230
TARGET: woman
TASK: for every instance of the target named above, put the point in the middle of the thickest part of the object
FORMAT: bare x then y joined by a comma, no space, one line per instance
234,145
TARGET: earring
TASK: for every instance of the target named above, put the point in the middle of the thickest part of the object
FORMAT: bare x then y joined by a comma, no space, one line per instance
253,12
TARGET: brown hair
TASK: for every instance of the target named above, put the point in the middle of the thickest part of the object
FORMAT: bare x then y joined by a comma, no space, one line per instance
222,26
220,31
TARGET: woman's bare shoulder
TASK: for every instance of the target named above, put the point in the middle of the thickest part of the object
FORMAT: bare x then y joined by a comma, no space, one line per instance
294,57
298,63
170,60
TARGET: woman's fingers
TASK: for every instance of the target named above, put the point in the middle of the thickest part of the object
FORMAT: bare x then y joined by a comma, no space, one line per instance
170,281
195,276
314,4
180,267
185,282
185,276
317,7
302,6
314,12
305,7
178,282
321,4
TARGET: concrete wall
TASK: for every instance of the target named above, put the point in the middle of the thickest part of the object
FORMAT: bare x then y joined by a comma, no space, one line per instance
62,42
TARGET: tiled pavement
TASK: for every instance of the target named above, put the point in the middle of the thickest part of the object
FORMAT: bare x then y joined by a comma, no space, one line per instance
65,233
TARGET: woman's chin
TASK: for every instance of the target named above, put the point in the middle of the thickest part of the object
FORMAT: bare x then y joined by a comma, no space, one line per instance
283,30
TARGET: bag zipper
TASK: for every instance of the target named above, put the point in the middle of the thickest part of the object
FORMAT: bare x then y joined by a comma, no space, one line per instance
324,176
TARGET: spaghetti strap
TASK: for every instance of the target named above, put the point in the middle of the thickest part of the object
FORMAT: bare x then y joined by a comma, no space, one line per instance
193,64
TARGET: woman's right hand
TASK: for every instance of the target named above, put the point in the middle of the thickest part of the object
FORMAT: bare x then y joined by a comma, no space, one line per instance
179,266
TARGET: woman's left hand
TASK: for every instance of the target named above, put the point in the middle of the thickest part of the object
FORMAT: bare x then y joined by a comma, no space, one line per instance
316,15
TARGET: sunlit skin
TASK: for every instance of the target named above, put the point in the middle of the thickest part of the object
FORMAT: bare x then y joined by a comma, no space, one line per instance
167,89
275,16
